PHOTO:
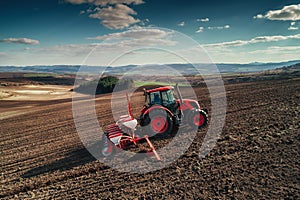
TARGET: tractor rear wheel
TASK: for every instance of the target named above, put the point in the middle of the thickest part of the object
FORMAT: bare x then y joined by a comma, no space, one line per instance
197,118
160,122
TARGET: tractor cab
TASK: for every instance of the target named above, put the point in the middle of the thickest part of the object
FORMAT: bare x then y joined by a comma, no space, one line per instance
164,96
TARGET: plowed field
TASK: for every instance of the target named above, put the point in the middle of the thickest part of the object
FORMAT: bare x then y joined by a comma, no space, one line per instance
257,155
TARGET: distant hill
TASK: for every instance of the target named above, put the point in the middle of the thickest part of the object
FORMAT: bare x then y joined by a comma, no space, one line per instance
292,67
57,69
187,69
281,73
254,67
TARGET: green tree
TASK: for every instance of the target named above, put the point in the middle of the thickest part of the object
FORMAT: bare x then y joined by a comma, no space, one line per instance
105,85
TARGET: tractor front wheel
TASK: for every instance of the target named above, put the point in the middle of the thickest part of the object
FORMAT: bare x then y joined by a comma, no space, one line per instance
197,118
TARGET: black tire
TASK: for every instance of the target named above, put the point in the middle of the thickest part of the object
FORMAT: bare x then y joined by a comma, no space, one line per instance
158,121
197,118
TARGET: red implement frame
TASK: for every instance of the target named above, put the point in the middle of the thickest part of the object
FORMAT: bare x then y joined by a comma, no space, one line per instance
152,148
129,137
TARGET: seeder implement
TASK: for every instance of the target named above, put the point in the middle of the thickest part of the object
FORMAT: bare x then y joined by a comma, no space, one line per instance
122,134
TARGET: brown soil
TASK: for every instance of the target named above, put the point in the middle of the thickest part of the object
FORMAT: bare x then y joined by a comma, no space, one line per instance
257,155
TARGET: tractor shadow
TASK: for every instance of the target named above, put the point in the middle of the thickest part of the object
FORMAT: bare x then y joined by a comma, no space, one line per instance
177,130
82,156
157,138
72,159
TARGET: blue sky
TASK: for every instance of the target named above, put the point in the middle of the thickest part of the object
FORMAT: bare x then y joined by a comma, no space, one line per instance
49,32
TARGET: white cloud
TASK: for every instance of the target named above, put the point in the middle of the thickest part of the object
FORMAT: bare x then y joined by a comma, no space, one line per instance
284,48
20,41
143,22
114,14
113,46
145,42
259,39
287,13
76,1
203,20
114,43
138,33
3,54
259,16
218,27
245,55
116,17
293,27
200,29
181,24
227,44
103,54
105,2
274,38
281,50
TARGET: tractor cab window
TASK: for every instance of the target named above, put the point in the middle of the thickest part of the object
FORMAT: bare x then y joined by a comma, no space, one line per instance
168,97
155,98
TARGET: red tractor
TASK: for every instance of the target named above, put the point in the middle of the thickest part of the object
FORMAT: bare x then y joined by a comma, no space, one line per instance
163,110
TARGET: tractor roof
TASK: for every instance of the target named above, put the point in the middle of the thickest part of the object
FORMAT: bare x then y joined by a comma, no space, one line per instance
160,89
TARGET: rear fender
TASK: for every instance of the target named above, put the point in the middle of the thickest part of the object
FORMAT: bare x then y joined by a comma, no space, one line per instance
189,104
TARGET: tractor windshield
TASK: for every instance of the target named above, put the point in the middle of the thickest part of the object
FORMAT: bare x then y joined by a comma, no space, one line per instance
169,100
168,96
